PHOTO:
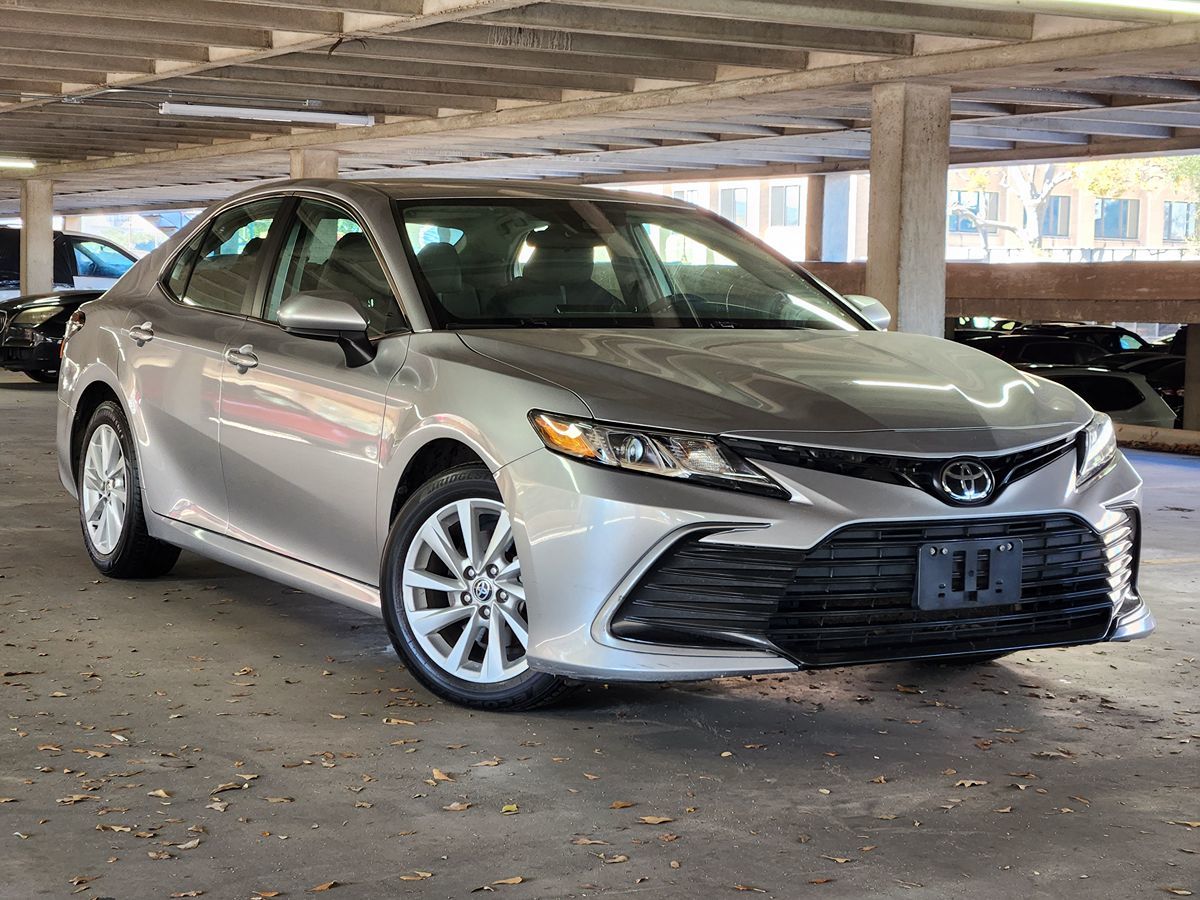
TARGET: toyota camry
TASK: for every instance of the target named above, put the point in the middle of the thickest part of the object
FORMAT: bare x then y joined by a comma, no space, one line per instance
551,434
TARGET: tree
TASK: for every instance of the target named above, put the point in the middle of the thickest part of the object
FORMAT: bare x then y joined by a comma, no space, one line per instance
1033,186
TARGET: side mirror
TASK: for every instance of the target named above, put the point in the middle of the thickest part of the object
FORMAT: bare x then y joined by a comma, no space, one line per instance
330,315
874,311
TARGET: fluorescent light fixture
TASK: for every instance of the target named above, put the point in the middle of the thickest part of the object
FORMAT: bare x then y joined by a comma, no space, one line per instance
9,163
259,114
1181,7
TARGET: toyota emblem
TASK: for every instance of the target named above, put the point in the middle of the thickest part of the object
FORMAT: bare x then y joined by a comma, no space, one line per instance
966,481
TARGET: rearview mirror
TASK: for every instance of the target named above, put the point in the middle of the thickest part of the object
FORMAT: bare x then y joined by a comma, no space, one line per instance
874,311
330,315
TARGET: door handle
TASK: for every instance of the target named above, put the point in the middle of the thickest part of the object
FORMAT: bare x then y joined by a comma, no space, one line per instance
142,333
243,358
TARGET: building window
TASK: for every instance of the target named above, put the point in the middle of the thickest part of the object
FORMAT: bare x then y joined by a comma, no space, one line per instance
1179,220
687,195
1056,217
1116,220
734,204
785,205
980,205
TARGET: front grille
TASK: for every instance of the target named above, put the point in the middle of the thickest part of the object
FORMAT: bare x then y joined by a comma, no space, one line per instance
852,598
908,471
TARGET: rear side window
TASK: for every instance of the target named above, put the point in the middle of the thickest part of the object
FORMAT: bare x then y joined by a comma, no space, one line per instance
1104,393
215,269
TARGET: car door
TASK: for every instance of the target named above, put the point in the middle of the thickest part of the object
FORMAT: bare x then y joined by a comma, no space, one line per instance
174,343
301,430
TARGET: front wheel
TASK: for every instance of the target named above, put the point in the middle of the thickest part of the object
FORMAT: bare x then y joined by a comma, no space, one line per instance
110,501
453,597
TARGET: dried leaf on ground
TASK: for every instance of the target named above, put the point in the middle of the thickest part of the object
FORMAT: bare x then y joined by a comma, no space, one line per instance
621,804
321,888
655,820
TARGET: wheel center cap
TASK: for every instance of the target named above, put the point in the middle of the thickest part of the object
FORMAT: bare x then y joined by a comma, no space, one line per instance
482,590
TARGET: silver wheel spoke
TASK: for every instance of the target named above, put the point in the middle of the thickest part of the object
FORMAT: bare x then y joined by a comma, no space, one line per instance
430,582
501,537
433,533
468,520
493,655
431,621
461,651
515,624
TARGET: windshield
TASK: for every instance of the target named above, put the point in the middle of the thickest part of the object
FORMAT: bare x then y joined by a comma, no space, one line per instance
603,264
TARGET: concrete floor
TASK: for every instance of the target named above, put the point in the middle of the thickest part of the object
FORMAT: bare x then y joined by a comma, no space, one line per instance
1054,774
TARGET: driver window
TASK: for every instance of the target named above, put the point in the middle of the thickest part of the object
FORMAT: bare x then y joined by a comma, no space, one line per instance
325,250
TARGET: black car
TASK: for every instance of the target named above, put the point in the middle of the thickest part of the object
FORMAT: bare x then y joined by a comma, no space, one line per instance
32,328
1109,338
1037,348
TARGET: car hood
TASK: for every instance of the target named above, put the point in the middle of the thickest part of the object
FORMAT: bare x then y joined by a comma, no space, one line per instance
887,392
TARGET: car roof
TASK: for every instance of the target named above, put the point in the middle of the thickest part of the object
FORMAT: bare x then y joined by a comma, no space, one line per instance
404,189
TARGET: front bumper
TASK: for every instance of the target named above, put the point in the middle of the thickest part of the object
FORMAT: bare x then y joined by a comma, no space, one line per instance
591,534
25,356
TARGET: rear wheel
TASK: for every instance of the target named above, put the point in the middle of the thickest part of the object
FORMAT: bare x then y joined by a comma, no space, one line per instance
453,596
44,376
110,501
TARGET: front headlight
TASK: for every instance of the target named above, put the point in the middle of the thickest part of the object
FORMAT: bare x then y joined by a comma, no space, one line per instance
1097,448
667,454
36,315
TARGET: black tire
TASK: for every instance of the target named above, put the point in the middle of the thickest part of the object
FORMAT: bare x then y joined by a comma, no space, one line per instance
528,690
136,554
43,376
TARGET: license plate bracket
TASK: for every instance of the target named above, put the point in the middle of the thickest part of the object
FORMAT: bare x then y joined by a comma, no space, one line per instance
967,574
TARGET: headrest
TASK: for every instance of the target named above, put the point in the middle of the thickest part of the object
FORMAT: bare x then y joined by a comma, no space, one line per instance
563,237
252,247
442,267
351,248
560,265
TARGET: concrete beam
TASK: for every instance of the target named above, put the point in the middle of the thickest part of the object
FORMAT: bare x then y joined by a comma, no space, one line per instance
1191,378
314,163
37,235
906,240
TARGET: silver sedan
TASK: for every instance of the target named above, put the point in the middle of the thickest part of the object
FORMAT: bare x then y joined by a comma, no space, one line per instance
551,434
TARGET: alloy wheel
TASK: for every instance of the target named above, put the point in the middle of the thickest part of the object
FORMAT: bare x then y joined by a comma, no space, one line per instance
463,595
105,489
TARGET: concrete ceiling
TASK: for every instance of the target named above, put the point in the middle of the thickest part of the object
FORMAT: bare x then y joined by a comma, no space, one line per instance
584,90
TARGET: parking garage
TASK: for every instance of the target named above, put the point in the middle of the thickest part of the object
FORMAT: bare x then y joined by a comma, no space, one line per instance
216,733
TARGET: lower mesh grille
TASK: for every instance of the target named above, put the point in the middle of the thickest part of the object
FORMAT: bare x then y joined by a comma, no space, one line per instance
852,597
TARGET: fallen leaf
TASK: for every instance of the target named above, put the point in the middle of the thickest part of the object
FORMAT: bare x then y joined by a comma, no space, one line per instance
159,854
321,888
487,763
120,829
822,881
457,806
1003,809
336,716
587,842
280,799
266,895
510,809
516,879
439,775
189,845
1185,824
840,860
416,876
969,783
76,798
179,894
9,800
1178,892
749,887
393,721
879,779
621,804
908,689
218,805
618,858
655,820
160,792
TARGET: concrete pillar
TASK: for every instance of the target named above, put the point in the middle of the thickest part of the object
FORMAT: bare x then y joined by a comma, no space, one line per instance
37,235
814,218
1191,379
314,163
906,239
